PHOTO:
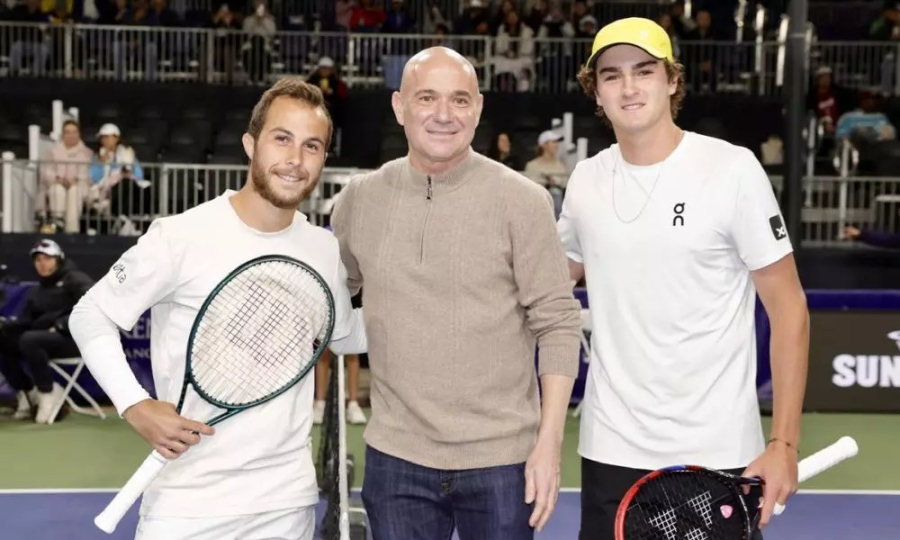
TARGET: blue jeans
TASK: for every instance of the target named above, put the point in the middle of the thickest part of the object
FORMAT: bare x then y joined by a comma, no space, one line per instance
405,501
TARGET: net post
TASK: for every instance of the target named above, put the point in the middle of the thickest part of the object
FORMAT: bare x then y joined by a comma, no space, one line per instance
343,488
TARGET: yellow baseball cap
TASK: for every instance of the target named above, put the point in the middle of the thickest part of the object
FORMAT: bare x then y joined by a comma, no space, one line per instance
642,33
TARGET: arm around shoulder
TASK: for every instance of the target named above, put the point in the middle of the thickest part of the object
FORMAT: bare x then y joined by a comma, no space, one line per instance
342,224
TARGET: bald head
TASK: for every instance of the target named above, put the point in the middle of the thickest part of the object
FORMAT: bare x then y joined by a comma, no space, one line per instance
437,59
439,106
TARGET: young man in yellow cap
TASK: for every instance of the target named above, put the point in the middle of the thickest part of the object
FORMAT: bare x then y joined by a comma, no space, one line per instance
676,233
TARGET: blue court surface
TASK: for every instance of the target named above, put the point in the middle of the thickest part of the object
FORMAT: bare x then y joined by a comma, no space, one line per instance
811,515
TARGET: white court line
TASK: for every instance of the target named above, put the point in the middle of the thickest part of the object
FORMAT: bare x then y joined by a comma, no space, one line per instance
50,491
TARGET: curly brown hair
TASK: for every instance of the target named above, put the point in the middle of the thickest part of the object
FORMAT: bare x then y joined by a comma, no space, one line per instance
293,88
587,77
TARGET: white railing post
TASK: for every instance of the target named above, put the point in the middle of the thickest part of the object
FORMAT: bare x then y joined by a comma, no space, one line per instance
6,171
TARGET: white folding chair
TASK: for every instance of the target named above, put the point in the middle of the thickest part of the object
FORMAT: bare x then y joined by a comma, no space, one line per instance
586,328
72,384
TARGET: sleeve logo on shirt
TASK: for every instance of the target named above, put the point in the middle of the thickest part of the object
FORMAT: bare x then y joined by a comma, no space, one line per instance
778,228
119,270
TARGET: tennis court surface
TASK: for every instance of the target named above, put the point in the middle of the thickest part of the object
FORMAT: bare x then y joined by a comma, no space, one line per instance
54,479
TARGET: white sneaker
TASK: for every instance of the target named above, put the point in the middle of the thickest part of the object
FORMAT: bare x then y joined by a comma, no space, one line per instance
46,402
355,414
318,412
23,408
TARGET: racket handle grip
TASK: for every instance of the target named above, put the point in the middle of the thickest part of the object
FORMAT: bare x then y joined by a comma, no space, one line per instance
109,518
822,460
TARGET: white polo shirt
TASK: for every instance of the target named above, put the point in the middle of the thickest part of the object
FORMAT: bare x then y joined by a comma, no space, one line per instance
259,460
667,251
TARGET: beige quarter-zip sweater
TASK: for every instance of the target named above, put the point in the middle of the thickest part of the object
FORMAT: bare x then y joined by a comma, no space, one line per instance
462,274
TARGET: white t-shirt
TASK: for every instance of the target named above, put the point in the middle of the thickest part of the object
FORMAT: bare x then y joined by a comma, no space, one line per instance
672,375
259,460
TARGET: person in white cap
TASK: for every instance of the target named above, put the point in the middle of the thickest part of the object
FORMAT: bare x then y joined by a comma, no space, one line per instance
675,234
547,169
41,332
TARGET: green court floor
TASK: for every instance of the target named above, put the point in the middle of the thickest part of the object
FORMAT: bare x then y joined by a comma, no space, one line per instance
85,452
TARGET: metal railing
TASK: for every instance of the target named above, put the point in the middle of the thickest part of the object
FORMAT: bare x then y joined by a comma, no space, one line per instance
830,202
99,52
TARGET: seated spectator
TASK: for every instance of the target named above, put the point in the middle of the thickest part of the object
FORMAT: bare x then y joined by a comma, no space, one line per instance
334,90
514,55
887,26
826,100
866,124
501,151
226,24
64,181
116,176
557,63
683,25
499,16
536,11
474,20
343,11
260,30
547,169
435,20
367,17
703,54
41,332
398,20
29,43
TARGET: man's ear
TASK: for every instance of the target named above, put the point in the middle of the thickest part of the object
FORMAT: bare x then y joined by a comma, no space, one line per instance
397,105
249,145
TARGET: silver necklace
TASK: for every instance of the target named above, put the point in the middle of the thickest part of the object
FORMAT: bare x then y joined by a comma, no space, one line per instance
652,189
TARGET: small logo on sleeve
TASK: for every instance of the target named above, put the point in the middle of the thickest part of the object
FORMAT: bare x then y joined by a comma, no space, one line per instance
778,228
119,271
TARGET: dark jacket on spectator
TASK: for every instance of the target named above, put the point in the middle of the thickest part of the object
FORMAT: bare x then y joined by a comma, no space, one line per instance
49,304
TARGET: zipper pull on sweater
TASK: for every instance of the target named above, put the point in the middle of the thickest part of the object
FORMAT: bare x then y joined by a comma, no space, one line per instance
430,192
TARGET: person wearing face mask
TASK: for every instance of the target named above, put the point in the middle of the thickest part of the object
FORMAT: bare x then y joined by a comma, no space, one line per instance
462,275
41,332
676,234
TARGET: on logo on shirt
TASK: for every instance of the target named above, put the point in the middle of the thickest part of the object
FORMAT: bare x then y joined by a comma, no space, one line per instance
119,270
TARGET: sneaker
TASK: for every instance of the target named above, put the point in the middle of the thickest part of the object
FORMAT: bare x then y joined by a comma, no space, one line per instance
46,402
355,414
318,412
24,410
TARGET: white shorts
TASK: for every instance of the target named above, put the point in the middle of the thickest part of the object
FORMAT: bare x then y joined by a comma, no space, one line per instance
291,524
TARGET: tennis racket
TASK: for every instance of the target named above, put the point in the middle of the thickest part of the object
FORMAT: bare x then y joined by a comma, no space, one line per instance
258,333
687,502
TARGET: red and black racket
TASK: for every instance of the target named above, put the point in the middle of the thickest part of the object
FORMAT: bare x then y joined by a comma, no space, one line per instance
687,502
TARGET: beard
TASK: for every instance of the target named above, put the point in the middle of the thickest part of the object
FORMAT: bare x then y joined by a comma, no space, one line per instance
262,184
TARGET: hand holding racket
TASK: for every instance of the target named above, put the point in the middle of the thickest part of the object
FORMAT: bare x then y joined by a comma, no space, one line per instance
696,503
258,333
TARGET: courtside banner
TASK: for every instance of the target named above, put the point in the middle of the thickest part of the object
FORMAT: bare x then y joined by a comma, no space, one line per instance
854,362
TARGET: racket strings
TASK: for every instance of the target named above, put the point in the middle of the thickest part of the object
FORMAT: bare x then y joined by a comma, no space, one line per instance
259,333
685,506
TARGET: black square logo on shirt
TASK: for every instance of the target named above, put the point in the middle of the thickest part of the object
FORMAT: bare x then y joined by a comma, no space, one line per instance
778,228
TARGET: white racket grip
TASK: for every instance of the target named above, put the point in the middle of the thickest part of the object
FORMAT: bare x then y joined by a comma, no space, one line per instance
822,460
109,518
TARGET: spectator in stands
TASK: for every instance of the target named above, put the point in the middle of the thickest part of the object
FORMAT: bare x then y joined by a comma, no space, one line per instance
501,150
41,332
873,238
398,20
260,30
702,68
514,55
536,11
866,124
547,169
474,20
65,180
682,24
335,91
887,26
667,23
343,12
117,179
498,18
555,46
29,43
434,20
227,40
367,17
580,10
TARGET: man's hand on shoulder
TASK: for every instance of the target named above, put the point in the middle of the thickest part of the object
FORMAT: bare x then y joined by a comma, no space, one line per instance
165,430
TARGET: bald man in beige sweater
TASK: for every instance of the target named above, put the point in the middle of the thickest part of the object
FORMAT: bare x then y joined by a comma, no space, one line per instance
464,274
